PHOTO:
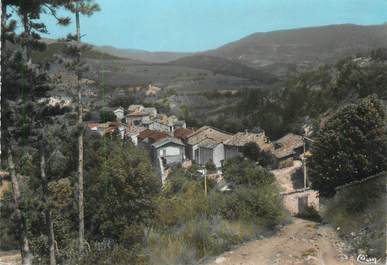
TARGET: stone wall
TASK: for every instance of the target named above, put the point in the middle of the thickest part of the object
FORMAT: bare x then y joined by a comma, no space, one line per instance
296,201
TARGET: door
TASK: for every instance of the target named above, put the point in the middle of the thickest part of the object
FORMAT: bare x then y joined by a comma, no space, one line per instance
302,204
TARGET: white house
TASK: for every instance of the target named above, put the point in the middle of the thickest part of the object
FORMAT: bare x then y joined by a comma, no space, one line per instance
206,144
119,112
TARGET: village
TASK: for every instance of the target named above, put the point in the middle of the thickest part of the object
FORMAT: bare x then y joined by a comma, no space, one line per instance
170,143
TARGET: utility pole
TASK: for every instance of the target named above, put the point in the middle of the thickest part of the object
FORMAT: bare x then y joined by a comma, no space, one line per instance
304,138
304,162
205,181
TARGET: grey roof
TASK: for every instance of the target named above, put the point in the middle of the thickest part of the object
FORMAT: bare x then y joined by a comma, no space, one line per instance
207,132
287,145
167,140
242,138
209,143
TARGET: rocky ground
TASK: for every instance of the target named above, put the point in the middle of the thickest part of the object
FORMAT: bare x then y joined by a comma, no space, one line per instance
301,242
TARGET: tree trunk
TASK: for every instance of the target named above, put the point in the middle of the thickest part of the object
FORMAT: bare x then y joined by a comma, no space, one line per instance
27,31
80,174
78,23
80,144
23,238
3,24
47,210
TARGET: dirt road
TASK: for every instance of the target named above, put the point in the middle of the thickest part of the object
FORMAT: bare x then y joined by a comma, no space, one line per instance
302,242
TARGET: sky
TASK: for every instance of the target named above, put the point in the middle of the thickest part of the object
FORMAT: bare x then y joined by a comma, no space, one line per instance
197,25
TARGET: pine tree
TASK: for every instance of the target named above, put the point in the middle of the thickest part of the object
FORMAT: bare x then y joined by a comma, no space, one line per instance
80,7
23,122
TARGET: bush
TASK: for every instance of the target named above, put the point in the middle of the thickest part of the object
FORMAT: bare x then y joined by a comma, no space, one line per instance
105,116
239,171
190,225
310,213
351,146
210,166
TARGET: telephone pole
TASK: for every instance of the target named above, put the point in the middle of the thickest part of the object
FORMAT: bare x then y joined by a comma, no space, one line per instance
304,138
205,181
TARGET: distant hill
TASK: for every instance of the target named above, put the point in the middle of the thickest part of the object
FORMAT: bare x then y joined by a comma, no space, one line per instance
145,56
57,48
225,67
303,47
276,52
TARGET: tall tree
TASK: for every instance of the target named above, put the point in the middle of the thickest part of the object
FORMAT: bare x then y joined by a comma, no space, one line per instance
80,7
20,219
351,146
47,210
23,85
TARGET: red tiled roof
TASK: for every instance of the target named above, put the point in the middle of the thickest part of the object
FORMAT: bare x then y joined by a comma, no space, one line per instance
137,114
92,125
183,133
154,136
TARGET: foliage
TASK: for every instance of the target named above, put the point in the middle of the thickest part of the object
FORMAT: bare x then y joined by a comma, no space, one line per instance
210,167
106,115
240,171
191,225
310,213
123,186
351,146
309,95
361,219
253,152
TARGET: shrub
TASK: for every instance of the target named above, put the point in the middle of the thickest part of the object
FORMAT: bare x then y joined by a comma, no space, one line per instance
105,116
310,213
239,171
210,166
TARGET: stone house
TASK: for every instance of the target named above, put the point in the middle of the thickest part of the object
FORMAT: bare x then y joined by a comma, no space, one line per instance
234,146
206,145
288,148
183,133
166,124
165,151
170,150
137,118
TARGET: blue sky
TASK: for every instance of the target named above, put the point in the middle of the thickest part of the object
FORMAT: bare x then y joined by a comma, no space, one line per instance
196,25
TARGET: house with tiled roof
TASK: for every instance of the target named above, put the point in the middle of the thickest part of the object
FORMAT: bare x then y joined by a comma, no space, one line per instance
166,124
170,150
165,151
107,128
288,148
133,132
183,133
206,146
234,146
151,136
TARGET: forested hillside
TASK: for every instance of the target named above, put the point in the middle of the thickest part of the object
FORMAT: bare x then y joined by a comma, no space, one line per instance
309,97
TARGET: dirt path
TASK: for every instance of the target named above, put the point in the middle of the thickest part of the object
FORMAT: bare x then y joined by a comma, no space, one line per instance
302,242
284,176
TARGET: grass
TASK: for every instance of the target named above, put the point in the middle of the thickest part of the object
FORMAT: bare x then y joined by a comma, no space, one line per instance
198,239
191,227
360,213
